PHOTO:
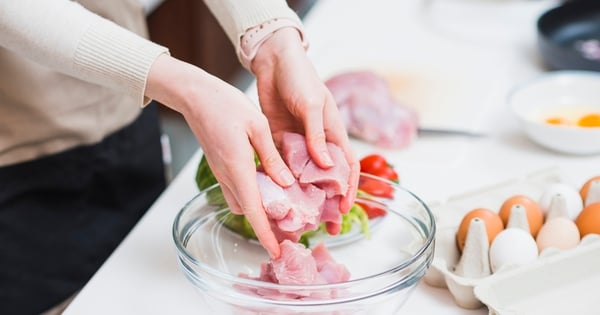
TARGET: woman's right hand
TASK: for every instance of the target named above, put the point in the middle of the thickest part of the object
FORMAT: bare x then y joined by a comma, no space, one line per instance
230,129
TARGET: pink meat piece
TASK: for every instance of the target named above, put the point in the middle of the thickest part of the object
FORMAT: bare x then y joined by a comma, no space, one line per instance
292,210
328,268
295,152
299,265
307,202
274,199
295,266
370,111
331,210
333,180
312,199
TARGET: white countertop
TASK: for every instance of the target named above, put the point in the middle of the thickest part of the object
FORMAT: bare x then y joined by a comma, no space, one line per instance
455,59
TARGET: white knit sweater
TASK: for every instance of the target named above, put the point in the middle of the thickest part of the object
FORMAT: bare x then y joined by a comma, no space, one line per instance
73,72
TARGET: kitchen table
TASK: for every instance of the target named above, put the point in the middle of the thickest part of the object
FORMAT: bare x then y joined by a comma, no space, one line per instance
454,60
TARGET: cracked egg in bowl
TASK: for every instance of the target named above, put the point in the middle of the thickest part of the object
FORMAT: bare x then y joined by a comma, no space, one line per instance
560,111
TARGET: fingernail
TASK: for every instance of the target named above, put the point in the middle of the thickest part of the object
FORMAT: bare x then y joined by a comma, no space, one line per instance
287,177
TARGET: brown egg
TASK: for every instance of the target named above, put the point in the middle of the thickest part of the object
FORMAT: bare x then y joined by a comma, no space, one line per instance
586,187
493,225
588,221
535,216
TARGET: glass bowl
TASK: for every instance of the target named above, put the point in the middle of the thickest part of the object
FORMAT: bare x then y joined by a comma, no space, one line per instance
384,267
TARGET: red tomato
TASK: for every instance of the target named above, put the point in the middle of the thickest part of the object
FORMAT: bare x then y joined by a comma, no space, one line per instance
372,212
376,188
333,228
377,165
373,163
388,173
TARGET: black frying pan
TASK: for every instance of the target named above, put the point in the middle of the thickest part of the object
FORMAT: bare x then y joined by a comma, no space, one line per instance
569,36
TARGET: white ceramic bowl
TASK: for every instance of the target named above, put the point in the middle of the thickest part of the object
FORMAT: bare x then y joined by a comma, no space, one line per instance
559,93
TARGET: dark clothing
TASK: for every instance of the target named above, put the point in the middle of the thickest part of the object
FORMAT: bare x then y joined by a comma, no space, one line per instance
63,215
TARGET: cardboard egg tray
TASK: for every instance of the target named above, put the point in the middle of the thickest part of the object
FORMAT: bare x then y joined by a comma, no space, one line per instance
566,279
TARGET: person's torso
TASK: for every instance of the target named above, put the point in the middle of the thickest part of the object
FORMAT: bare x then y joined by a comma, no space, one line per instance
43,111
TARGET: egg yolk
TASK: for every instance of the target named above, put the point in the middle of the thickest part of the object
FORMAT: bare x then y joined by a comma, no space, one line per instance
556,121
590,120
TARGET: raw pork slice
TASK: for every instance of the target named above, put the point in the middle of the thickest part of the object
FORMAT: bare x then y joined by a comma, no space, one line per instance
299,265
295,152
291,210
369,110
312,199
333,180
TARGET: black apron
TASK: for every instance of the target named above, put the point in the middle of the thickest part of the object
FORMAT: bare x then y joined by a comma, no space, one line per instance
63,215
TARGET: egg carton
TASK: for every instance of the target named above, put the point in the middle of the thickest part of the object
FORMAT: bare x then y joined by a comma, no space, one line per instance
470,279
559,282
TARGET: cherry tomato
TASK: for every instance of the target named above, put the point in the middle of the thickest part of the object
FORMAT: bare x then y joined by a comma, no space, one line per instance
371,211
373,163
377,165
388,173
333,228
376,188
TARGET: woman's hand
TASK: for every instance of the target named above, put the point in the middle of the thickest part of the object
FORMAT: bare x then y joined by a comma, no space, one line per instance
294,98
229,128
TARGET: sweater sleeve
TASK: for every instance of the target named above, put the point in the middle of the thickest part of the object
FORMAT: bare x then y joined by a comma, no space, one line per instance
237,16
68,38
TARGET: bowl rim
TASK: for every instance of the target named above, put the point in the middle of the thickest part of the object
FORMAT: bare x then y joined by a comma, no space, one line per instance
427,244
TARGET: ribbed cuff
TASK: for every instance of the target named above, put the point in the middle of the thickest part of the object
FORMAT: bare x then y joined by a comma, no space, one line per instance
236,17
255,36
114,56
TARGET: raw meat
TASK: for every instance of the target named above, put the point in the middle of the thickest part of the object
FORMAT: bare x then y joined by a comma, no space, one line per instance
312,199
295,152
299,265
370,112
291,210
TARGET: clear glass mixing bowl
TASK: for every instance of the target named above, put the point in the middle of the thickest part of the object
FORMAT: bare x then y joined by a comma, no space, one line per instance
384,267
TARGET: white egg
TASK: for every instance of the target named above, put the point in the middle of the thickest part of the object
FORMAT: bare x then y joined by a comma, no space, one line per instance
573,204
512,247
559,232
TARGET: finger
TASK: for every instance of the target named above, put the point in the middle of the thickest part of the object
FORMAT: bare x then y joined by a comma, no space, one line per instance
234,206
348,200
316,140
250,202
270,158
338,135
334,126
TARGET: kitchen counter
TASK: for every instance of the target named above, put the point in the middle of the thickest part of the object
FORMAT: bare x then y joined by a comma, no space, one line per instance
454,60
